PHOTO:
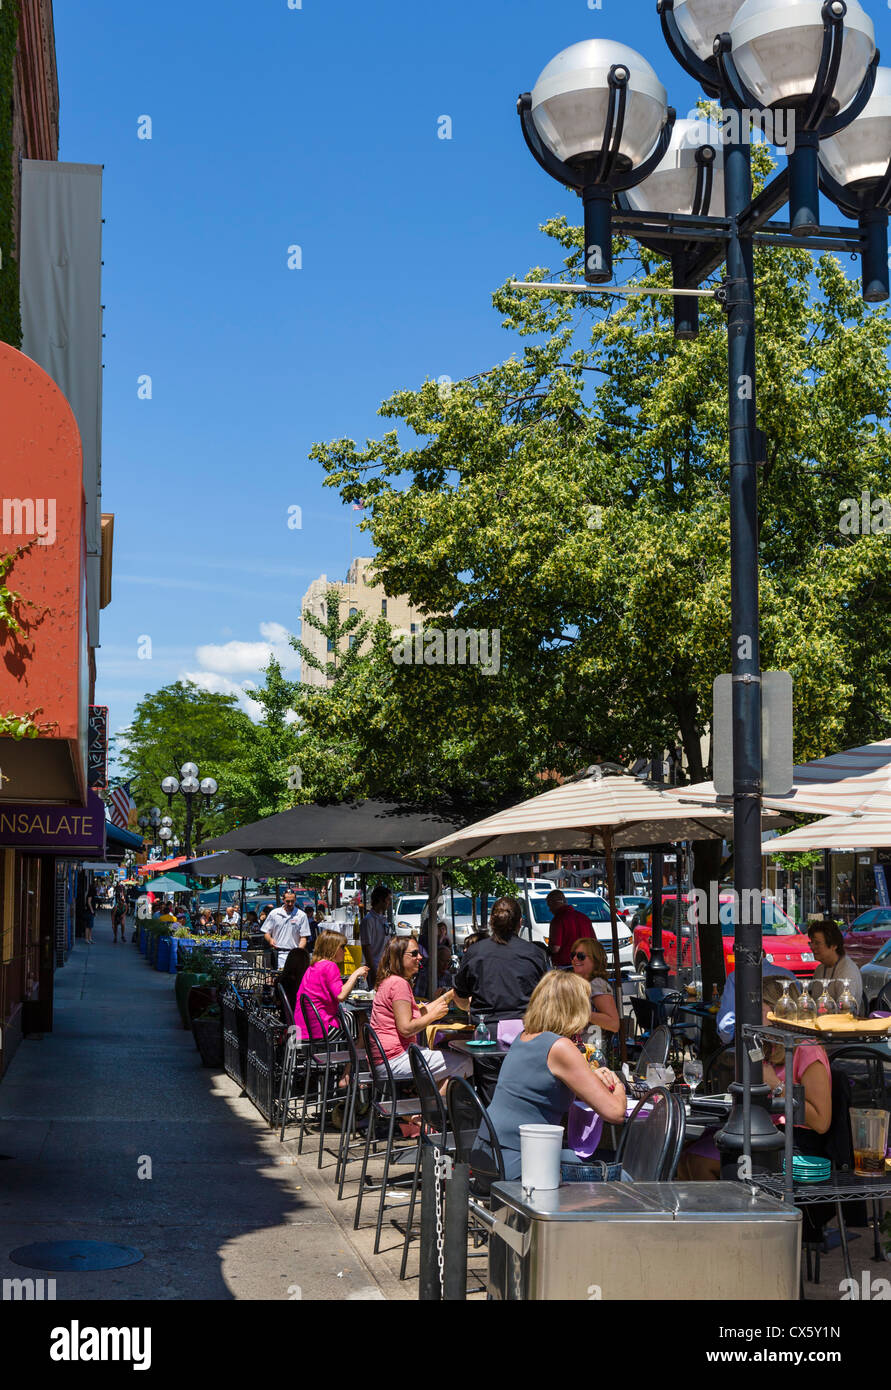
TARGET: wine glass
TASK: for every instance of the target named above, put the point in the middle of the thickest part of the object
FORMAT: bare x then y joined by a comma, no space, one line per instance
826,1004
693,1074
482,1034
786,1008
847,1000
654,1075
807,1007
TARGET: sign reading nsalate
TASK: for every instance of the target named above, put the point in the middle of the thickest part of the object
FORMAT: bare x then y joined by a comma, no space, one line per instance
65,829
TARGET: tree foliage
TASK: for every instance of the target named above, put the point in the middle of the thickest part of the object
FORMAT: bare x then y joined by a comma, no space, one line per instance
575,497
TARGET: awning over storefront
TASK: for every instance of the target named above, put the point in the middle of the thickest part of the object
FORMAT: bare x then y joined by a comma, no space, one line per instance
125,839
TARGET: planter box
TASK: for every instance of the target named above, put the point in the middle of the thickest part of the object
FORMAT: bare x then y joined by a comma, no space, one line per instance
266,1039
143,938
208,1034
162,954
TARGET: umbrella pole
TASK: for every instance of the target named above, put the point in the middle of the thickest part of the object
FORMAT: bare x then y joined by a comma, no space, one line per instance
220,897
607,836
241,908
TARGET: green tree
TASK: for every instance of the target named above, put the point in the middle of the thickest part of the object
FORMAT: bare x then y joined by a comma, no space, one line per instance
183,723
575,497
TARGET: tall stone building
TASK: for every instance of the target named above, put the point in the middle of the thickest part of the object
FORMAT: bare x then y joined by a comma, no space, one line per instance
358,594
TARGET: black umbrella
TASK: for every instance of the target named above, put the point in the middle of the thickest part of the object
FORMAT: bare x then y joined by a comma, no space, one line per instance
238,865
361,862
349,825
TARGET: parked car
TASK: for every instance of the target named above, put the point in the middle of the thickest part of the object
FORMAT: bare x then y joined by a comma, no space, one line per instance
867,934
627,904
410,914
597,909
784,944
876,976
536,885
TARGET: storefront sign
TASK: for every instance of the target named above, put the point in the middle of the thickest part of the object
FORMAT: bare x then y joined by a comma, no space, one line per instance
68,830
881,885
97,747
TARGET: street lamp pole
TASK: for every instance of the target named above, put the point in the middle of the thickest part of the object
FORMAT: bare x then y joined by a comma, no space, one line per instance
189,787
598,121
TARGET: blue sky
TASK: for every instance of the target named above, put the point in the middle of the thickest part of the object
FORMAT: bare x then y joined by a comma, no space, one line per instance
274,127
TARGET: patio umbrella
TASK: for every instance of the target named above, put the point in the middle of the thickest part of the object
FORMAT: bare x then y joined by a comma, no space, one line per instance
360,862
593,814
167,883
859,830
347,825
857,779
235,864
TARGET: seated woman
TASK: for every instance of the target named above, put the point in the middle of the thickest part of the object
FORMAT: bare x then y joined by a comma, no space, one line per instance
544,1071
295,967
700,1161
324,985
399,1021
588,960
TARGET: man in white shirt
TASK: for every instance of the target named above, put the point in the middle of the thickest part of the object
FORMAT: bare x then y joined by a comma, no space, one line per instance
286,927
232,917
828,945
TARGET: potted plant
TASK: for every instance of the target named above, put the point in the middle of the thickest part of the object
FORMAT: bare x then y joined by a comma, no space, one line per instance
207,1030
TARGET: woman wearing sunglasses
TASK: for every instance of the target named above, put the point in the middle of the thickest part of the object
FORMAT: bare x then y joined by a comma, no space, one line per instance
588,959
398,1019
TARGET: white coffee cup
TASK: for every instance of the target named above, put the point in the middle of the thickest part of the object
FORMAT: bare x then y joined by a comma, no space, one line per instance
540,1150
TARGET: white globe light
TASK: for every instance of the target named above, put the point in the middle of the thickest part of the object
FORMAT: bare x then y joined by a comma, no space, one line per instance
165,833
208,786
860,154
571,98
701,21
672,185
189,784
188,770
170,786
777,46
166,820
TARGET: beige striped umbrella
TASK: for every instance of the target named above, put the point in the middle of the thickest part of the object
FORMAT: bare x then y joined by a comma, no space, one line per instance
592,813
858,779
860,830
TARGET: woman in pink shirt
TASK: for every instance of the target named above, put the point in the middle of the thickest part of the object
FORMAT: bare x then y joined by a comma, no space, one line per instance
398,1020
323,984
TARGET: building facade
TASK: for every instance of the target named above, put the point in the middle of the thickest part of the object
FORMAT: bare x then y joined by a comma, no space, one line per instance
359,593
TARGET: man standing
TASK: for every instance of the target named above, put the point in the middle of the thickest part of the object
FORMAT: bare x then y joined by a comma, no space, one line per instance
286,927
374,930
567,927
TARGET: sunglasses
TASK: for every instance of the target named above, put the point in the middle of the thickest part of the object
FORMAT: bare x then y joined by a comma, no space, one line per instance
412,953
580,955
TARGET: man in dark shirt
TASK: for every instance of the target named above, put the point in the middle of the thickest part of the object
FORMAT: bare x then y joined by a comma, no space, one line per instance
374,929
567,927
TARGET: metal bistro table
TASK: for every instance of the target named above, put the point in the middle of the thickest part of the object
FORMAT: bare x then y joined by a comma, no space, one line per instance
843,1185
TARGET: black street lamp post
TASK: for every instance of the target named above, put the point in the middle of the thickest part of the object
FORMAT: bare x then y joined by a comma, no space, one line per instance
188,786
811,68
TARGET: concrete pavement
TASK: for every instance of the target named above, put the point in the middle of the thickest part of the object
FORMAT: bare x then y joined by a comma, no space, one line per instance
117,1092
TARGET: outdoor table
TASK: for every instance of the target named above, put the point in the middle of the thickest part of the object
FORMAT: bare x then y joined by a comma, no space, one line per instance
449,1032
500,1050
841,1186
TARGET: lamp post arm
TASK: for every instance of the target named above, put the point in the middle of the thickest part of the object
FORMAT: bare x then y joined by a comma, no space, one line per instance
563,173
855,108
705,73
827,70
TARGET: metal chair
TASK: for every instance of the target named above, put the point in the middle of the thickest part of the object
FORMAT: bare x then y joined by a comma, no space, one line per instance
321,1066
678,1136
718,1071
655,1050
474,1137
360,1076
386,1105
295,1052
434,1133
868,1074
646,1146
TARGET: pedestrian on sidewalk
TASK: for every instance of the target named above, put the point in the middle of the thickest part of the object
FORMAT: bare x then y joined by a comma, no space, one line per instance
119,918
91,909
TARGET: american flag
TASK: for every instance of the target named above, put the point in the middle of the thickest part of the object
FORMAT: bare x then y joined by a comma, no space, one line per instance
122,804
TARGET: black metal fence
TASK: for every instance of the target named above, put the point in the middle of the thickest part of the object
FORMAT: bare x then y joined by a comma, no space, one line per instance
265,1054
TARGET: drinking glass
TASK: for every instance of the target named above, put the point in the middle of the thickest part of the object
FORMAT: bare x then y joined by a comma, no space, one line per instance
482,1034
848,1003
826,1004
807,1007
654,1075
693,1075
786,1008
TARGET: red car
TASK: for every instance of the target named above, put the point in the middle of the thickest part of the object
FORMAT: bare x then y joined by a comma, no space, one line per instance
784,944
867,934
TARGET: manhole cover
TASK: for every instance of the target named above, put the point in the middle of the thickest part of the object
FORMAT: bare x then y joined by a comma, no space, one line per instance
71,1255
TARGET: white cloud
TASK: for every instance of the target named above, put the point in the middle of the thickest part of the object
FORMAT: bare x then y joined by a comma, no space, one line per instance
231,658
221,685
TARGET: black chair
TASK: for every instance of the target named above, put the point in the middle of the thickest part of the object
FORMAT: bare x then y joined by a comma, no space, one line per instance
678,1136
434,1133
389,1106
286,1008
868,1075
295,1059
359,1076
323,1066
718,1071
654,1051
647,1143
474,1137
883,1000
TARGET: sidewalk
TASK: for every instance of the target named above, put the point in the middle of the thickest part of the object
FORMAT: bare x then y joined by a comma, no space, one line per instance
227,1211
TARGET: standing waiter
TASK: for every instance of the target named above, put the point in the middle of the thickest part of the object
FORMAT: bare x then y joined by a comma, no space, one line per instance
286,927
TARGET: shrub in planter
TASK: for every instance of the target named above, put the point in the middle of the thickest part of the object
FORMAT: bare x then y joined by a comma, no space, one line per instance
200,997
186,981
207,1030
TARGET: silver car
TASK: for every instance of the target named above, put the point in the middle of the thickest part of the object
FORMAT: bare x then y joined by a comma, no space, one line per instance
876,976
